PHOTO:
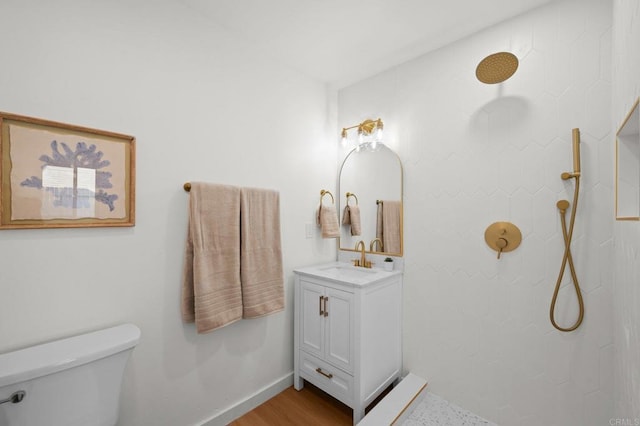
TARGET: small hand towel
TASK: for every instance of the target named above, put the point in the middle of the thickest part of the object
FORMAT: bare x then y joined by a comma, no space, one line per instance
351,216
260,253
391,214
211,292
327,219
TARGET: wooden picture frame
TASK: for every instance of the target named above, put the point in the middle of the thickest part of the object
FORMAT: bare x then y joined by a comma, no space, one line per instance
56,175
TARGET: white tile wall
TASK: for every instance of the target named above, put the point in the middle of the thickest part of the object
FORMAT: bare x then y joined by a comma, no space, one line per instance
474,154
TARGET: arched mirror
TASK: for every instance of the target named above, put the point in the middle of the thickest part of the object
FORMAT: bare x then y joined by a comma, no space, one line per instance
373,175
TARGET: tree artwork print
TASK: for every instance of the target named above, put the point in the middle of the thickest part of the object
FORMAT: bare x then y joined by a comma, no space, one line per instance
83,158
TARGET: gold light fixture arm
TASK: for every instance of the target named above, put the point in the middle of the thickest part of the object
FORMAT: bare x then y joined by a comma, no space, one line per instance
367,127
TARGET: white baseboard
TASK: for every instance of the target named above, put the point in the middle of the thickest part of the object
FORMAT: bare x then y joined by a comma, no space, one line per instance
251,402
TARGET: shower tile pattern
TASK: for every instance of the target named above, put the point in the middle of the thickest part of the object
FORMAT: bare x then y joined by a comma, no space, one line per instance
476,327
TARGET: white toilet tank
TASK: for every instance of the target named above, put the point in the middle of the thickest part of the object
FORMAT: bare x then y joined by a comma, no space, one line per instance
69,382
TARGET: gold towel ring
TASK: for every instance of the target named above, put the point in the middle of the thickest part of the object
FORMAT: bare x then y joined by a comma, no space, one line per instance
351,194
323,193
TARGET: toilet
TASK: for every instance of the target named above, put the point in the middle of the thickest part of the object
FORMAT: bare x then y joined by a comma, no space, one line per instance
70,382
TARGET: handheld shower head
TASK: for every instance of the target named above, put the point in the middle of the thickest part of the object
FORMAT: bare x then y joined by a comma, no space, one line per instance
576,157
576,151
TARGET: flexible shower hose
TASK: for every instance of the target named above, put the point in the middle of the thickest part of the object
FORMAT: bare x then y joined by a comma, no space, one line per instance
563,205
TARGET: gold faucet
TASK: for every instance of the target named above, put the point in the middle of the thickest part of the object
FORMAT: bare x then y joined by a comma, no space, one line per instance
373,243
363,262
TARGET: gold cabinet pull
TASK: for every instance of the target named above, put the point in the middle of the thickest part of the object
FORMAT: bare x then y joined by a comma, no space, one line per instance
321,310
327,375
326,311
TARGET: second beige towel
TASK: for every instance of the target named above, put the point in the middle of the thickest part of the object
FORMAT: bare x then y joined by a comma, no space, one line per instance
260,252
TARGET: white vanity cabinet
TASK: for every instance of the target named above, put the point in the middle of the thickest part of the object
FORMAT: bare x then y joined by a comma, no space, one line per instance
348,332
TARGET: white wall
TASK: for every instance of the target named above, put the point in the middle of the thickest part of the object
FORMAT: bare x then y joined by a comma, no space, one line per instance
477,327
626,290
203,106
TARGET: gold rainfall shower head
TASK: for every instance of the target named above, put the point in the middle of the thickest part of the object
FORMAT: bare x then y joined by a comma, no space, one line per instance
497,67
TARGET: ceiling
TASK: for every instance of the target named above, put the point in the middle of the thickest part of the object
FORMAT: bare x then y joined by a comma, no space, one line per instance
344,41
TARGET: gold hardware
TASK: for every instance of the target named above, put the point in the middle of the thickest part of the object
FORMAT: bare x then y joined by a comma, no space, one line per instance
363,260
326,311
351,194
563,206
365,128
327,375
567,175
187,186
503,237
502,244
497,67
373,242
325,192
575,134
321,311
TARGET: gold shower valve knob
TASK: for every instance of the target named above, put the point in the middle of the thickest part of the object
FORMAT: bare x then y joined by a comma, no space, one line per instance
503,237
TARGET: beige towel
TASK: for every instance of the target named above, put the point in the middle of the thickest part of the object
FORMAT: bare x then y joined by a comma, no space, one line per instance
260,252
327,219
351,216
211,292
389,224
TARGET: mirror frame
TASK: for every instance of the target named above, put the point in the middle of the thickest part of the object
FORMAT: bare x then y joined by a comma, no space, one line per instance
339,207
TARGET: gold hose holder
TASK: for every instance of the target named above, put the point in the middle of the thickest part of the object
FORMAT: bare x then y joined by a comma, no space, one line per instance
503,237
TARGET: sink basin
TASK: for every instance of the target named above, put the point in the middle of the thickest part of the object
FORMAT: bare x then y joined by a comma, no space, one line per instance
346,273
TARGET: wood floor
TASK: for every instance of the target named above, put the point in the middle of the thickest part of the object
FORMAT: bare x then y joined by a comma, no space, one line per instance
309,407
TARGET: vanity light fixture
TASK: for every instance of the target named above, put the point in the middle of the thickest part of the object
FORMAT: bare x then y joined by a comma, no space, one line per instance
367,128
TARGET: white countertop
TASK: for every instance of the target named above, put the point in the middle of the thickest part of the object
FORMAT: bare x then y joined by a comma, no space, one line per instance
346,273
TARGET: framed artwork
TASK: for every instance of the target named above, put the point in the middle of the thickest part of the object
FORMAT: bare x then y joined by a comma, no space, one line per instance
56,175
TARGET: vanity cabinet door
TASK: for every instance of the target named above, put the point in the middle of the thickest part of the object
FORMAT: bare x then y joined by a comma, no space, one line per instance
339,328
312,318
326,328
